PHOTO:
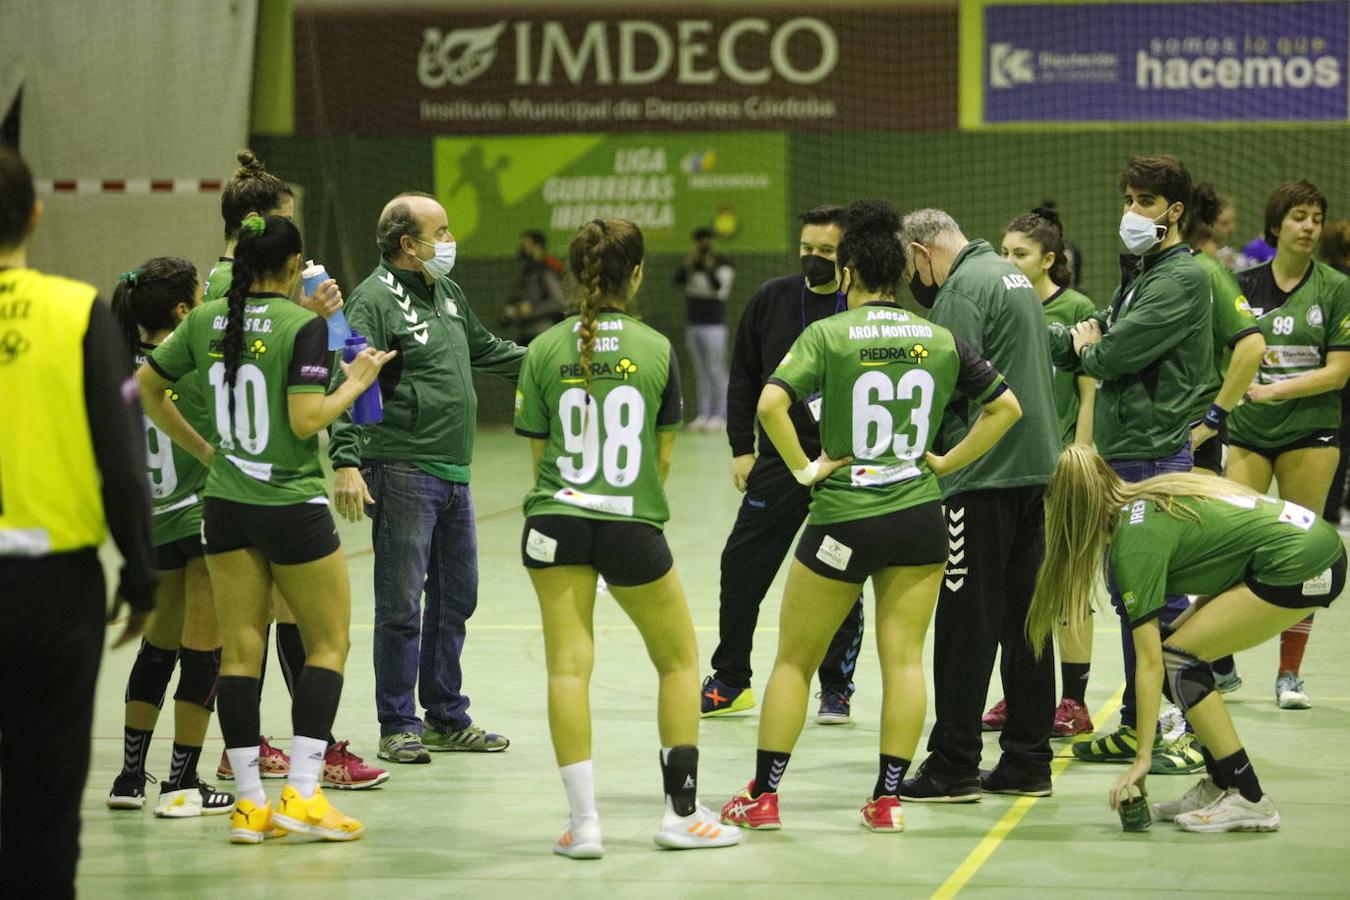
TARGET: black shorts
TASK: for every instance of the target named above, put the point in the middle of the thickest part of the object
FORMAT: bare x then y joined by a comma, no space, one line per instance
286,535
1326,437
1320,590
1210,454
854,551
625,553
175,555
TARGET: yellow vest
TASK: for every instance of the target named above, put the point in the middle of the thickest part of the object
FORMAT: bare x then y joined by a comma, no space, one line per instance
50,500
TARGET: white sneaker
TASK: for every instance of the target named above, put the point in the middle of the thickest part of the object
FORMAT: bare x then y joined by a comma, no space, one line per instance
699,424
601,586
199,800
1171,724
701,828
1289,692
1201,795
1232,812
581,840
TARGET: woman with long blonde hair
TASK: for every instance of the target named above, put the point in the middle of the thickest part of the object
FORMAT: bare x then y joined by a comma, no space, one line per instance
1259,565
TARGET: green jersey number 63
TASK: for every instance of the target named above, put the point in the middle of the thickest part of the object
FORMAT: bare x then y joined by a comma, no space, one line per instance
874,428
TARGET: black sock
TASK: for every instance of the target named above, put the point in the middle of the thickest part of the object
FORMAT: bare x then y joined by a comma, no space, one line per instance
679,771
889,775
135,745
183,767
1224,667
1212,768
262,670
290,653
237,709
1073,678
1238,772
769,769
315,703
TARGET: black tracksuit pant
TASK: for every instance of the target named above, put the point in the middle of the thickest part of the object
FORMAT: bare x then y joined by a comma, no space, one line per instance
997,542
772,510
50,648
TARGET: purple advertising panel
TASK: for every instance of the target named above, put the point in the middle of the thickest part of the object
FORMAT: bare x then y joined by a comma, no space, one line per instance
1133,62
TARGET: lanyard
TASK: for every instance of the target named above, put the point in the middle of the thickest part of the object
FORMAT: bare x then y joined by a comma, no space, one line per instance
840,304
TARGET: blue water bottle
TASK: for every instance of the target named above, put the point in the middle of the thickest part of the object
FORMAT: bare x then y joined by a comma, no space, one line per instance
338,329
369,407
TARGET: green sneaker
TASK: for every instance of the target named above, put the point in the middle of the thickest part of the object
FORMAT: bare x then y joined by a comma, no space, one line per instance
403,747
1180,757
474,739
1117,747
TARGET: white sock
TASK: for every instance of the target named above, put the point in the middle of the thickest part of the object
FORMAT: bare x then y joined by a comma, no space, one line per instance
579,781
306,764
247,778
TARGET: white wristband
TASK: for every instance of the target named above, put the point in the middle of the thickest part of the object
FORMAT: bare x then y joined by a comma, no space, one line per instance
807,473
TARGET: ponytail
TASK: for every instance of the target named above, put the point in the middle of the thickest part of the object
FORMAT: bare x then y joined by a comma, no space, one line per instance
123,311
145,298
232,344
603,255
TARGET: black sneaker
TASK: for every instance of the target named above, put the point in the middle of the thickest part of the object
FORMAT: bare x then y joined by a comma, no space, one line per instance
930,787
128,790
1007,780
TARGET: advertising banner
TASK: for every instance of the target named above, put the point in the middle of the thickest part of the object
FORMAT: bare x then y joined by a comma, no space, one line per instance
613,68
1058,62
669,184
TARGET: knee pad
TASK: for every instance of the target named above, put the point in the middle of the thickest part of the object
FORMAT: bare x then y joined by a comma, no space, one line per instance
150,674
1188,679
198,671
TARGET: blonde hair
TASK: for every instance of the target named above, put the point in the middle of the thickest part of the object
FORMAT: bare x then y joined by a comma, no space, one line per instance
602,256
1081,506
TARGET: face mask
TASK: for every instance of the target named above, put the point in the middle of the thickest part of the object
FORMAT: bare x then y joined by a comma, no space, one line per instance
439,265
924,294
1139,233
818,270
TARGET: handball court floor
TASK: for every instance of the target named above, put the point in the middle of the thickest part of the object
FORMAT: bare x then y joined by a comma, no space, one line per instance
483,824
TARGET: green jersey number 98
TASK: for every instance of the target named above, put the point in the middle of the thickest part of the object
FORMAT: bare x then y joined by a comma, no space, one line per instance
624,413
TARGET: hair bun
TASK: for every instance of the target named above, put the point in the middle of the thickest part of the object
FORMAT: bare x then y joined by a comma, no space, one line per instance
248,164
1047,213
871,215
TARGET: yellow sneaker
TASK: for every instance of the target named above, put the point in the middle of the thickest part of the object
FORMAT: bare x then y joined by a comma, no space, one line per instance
252,824
315,817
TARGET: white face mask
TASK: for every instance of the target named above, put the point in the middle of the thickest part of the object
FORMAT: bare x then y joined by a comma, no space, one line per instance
1139,233
439,265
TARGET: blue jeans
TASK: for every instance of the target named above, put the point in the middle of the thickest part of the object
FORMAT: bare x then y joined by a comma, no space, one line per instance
424,538
1139,470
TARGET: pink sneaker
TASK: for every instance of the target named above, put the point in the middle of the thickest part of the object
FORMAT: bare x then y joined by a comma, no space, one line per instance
883,814
996,718
1071,718
272,762
748,811
345,770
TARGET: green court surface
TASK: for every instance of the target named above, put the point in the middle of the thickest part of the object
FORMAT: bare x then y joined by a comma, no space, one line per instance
483,825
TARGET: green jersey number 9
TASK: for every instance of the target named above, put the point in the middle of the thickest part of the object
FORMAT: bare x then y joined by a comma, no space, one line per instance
871,418
249,383
159,460
624,414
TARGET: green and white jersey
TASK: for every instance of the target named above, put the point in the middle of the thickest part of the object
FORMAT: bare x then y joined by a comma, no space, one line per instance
176,478
1232,316
1154,553
1067,307
600,459
217,283
259,460
1301,327
884,378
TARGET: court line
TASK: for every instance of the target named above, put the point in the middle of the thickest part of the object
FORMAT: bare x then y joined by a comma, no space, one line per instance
986,847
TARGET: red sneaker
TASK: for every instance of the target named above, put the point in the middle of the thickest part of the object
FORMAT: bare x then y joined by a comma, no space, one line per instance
996,718
883,814
757,813
1071,717
272,763
345,770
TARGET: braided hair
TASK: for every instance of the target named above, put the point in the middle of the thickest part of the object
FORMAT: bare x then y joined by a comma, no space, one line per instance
265,247
1042,226
251,189
602,256
145,297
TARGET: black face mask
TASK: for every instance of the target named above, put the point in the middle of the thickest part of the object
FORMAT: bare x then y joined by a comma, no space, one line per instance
924,294
818,270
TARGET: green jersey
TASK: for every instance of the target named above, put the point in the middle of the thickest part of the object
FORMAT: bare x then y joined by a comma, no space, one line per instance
1154,554
884,378
217,283
1231,316
1301,327
176,478
600,456
1066,307
259,460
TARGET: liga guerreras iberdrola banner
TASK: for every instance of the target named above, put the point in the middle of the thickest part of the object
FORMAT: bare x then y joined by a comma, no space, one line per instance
612,68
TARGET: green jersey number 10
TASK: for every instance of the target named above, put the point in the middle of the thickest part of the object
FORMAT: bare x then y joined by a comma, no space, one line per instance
252,422
873,425
624,412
